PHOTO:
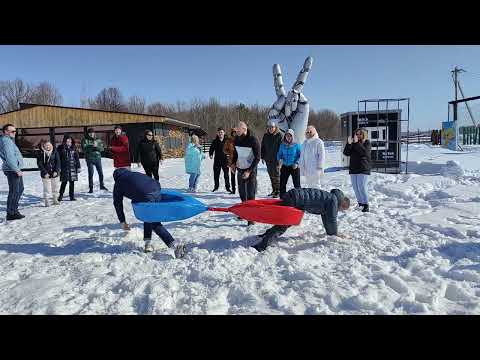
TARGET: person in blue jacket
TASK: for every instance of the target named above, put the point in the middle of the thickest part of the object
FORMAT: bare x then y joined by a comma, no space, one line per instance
12,168
193,161
314,201
141,188
288,155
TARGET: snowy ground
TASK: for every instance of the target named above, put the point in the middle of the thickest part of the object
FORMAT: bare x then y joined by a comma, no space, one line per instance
416,252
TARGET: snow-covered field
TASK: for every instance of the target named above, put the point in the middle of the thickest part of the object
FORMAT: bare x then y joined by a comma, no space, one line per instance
416,252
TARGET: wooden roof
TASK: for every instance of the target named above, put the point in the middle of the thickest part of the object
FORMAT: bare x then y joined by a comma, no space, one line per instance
40,116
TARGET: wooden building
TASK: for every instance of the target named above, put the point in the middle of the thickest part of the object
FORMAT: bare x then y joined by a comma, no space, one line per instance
36,122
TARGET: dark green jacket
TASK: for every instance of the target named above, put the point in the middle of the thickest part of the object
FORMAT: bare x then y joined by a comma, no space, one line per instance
92,148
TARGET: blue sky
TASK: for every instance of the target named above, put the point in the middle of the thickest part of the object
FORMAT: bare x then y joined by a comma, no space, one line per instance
341,75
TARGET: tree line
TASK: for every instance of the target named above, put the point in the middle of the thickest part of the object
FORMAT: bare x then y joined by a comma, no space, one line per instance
208,114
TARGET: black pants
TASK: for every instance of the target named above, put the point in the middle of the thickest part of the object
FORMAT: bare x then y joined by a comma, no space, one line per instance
274,174
285,174
71,188
216,175
151,170
160,230
233,181
247,188
270,236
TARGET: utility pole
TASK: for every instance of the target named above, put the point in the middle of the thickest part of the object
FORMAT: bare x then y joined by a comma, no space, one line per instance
455,81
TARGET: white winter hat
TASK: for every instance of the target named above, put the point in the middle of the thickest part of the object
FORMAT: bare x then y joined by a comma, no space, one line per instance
291,132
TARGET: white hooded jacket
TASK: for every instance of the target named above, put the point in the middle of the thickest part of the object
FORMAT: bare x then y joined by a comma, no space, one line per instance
312,157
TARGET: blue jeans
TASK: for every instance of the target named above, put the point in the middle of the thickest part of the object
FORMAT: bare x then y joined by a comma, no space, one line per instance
98,165
193,181
359,184
159,229
15,191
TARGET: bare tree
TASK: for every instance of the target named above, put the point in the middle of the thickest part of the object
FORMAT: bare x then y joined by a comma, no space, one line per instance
110,99
136,104
327,123
46,94
160,109
12,93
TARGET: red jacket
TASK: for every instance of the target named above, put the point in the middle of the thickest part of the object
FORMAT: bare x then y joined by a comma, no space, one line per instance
120,151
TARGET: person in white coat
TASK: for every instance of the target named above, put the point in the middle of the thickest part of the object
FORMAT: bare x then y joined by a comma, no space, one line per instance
312,159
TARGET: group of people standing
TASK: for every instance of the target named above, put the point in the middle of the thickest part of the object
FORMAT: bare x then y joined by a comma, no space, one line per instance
60,166
238,156
284,157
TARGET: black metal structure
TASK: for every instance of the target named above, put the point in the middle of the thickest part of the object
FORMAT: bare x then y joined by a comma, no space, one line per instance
382,119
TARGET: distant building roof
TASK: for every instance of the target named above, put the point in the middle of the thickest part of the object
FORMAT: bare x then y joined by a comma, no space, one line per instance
37,116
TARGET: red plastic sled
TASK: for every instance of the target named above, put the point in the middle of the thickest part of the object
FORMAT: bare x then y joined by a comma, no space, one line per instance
265,211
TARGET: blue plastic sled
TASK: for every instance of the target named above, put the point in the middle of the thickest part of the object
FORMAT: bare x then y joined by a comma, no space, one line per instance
173,206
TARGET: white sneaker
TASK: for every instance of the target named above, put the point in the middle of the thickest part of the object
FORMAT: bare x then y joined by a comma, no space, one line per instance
148,246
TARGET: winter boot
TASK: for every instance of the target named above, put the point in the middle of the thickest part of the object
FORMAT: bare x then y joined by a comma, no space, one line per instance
276,195
148,246
55,199
46,202
366,208
178,249
90,191
102,187
251,223
261,245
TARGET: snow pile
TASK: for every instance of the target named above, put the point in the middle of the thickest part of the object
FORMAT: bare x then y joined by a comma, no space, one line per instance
416,252
452,169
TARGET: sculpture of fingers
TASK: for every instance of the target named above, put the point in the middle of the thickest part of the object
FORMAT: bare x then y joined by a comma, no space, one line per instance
299,121
291,111
278,81
302,76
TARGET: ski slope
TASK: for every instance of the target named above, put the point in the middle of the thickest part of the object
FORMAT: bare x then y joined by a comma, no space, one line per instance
416,252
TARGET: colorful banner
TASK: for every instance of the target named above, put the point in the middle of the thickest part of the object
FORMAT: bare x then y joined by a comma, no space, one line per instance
449,135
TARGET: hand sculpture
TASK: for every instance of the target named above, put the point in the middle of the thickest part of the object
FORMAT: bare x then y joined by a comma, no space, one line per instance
291,111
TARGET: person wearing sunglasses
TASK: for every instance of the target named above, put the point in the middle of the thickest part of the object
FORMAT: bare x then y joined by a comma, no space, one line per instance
149,154
312,159
359,149
12,164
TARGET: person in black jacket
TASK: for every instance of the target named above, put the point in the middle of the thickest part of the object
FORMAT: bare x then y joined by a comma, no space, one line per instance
150,155
246,157
141,188
359,150
313,201
220,160
69,166
48,162
270,144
